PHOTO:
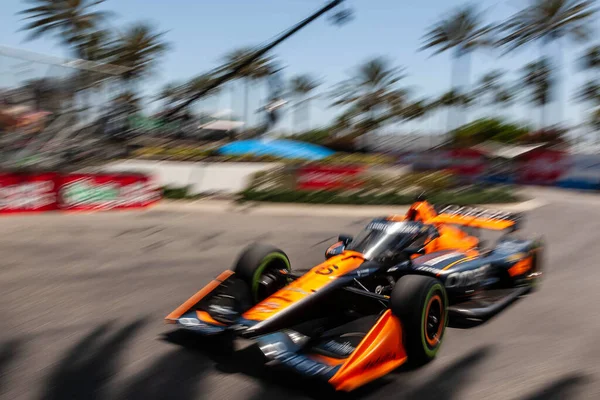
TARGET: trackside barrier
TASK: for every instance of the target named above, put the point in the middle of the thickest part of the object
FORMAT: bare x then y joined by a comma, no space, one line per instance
200,177
53,191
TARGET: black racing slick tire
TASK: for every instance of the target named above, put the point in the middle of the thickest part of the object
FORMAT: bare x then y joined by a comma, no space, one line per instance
260,266
421,304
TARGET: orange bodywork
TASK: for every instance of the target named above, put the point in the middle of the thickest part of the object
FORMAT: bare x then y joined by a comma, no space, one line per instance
483,223
182,309
204,316
452,238
315,279
521,267
379,353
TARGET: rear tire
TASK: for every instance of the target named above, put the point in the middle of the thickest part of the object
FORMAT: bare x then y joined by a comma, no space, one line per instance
257,265
421,304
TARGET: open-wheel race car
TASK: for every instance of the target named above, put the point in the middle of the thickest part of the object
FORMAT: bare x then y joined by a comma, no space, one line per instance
379,300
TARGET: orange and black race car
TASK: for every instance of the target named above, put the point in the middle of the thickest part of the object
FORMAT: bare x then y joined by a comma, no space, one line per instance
380,299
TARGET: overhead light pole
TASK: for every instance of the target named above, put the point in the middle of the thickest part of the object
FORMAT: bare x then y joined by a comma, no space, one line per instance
259,53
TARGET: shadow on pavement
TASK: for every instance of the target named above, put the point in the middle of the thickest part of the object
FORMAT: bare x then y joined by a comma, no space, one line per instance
447,383
176,375
86,369
90,370
565,388
8,353
278,384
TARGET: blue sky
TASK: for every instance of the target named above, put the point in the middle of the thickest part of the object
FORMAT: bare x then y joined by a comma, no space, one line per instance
201,31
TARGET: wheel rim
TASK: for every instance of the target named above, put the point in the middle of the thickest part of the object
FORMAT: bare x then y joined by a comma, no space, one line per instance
434,321
265,279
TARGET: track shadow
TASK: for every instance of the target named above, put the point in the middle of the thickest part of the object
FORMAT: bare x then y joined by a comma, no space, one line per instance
86,369
279,383
8,353
447,384
565,388
176,375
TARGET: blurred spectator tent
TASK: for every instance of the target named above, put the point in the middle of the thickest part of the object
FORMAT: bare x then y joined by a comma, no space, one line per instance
281,148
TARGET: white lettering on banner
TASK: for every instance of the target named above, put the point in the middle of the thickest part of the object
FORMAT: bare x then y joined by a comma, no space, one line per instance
29,195
86,192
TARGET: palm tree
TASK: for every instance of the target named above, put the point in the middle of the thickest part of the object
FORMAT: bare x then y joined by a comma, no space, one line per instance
590,90
75,23
488,85
301,86
591,59
462,32
138,50
491,90
172,93
537,79
547,22
257,70
371,92
200,83
70,20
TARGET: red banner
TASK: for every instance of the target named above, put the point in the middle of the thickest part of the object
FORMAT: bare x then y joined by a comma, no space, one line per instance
467,163
328,177
542,167
51,191
106,192
28,193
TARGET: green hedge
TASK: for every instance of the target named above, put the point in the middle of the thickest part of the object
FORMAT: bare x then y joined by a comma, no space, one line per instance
467,196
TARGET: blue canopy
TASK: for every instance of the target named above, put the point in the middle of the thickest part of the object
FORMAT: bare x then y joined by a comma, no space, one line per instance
276,147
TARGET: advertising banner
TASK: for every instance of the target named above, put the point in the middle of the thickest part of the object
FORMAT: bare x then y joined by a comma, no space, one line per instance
28,193
583,173
327,177
542,167
52,191
106,192
467,164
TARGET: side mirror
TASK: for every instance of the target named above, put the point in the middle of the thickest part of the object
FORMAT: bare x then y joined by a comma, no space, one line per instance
411,251
339,247
345,239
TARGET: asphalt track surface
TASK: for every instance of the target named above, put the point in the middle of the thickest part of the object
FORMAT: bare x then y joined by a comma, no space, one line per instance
83,299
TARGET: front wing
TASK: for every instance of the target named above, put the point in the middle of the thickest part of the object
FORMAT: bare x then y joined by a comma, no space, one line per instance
379,351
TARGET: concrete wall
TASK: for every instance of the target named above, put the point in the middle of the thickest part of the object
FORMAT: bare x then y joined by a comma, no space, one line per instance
201,177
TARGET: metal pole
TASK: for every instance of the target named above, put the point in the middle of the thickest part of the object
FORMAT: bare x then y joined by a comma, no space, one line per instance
259,53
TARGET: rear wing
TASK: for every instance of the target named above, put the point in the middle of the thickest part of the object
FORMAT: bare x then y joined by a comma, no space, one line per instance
478,218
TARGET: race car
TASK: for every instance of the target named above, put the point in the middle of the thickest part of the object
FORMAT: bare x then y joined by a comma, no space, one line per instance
379,300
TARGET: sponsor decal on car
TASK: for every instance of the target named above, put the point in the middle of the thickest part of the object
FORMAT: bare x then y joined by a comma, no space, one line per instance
343,349
442,258
303,364
196,324
430,270
267,307
467,278
474,212
381,359
394,227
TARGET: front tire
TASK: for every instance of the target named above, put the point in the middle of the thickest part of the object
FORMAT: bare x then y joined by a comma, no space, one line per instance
258,265
421,304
